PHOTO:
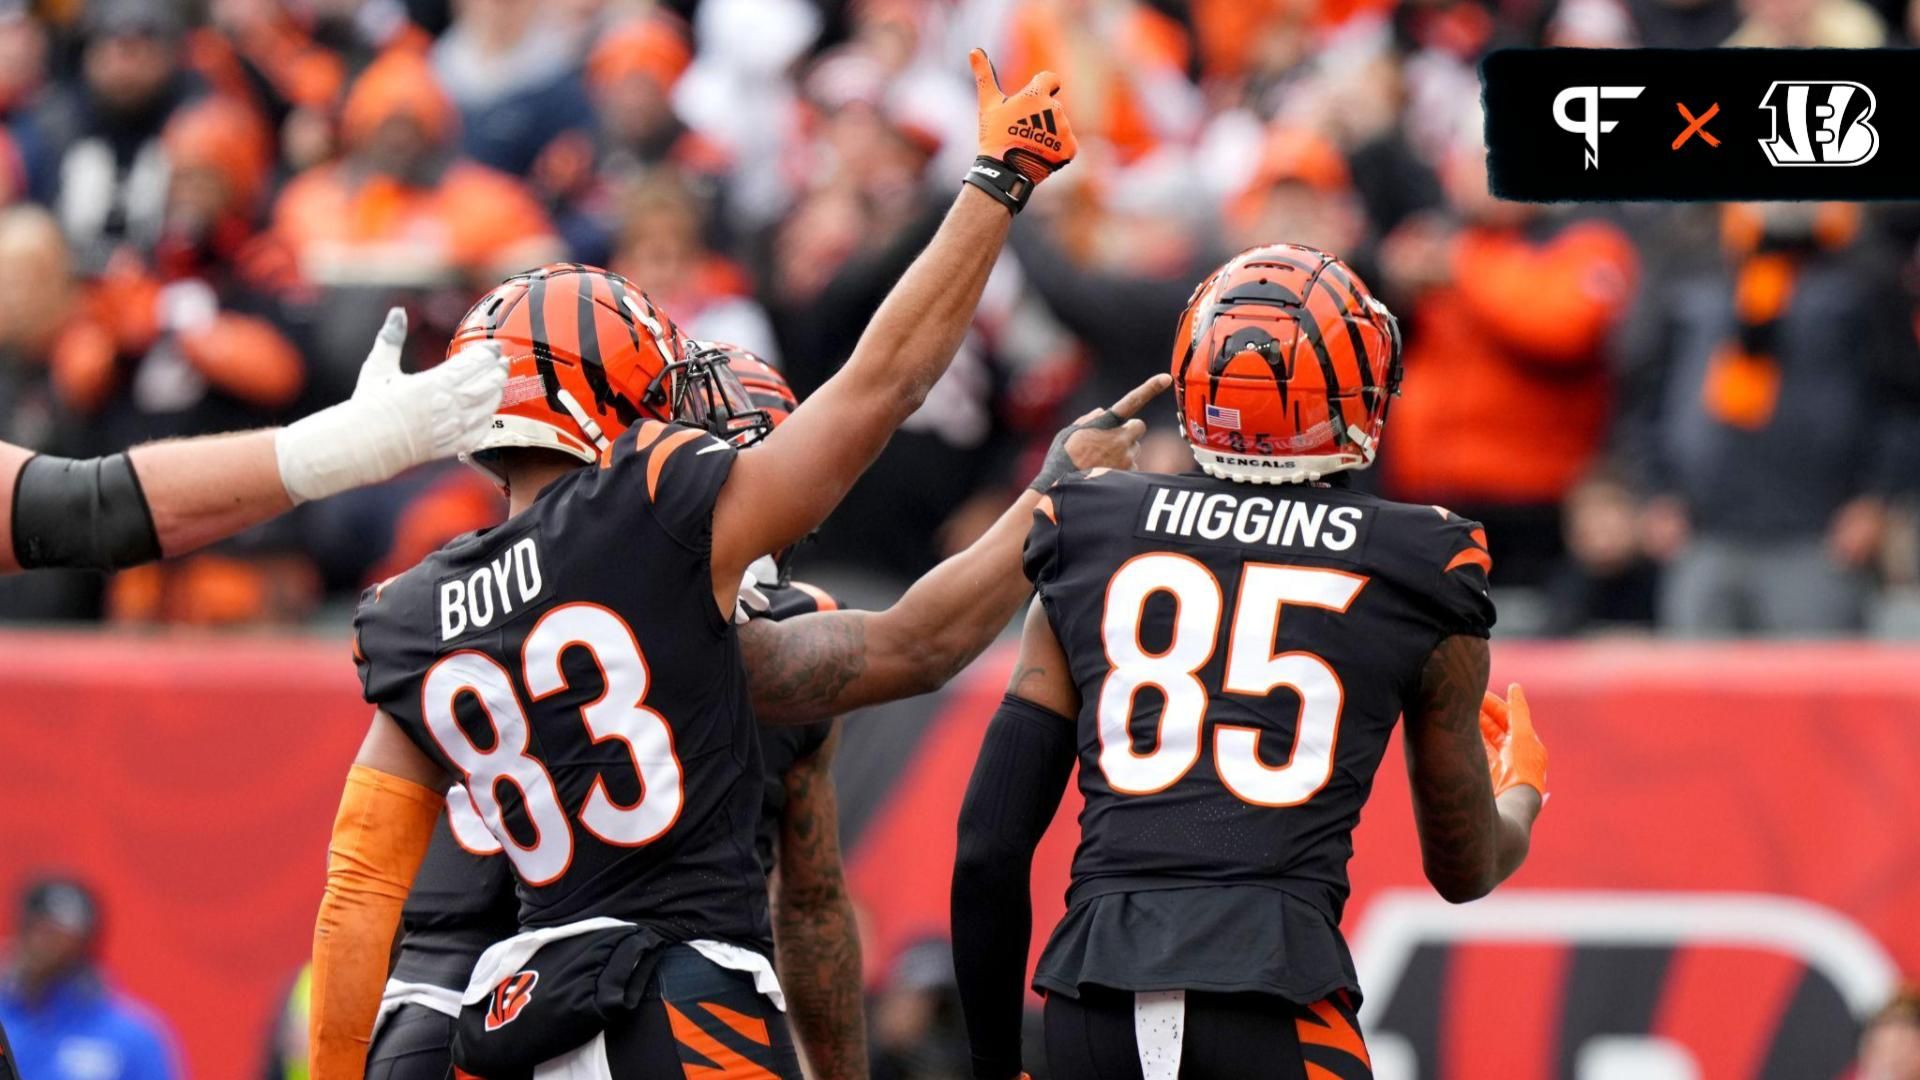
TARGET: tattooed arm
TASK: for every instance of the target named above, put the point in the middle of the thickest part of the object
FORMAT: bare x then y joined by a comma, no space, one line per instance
1469,840
811,667
814,666
817,943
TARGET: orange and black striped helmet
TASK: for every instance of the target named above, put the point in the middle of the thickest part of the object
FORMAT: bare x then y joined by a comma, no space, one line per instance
769,399
588,356
1283,366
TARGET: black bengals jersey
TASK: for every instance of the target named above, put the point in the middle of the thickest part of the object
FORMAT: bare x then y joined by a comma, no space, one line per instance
571,669
785,744
463,898
1242,654
462,901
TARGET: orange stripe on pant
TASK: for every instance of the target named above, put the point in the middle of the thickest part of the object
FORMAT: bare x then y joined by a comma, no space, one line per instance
750,1027
728,1064
1335,1029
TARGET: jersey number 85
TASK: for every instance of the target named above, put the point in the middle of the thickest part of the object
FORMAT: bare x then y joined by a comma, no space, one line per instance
1252,669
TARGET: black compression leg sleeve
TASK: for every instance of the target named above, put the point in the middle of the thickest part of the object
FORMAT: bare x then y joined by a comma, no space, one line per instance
1015,790
81,514
414,1044
1091,1037
1223,1037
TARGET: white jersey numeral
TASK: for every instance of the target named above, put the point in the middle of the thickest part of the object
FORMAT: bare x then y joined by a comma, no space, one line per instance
1252,669
618,713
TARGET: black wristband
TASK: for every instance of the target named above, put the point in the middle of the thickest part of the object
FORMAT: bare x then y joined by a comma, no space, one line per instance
1000,180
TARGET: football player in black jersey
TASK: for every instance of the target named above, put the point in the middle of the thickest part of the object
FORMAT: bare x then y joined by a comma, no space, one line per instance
1226,653
462,900
577,671
815,664
816,940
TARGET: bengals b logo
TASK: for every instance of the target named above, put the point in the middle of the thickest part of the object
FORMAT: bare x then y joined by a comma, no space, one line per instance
1533,984
509,998
1820,123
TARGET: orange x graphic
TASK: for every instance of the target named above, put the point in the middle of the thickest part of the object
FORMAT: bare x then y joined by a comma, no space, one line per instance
1697,125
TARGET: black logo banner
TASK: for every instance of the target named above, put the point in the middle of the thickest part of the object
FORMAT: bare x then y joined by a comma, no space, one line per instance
1660,124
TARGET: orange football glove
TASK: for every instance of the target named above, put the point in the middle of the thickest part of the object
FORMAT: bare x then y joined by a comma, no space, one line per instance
1515,755
1023,139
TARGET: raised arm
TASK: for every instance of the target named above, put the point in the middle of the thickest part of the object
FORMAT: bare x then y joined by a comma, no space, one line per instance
1015,791
392,799
814,666
784,490
1477,780
172,497
817,943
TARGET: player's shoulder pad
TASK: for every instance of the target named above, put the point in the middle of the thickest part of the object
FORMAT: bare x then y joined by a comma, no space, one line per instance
1101,479
1077,490
368,610
379,635
676,469
1450,558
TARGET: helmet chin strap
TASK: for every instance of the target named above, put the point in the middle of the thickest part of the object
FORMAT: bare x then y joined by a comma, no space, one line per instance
587,424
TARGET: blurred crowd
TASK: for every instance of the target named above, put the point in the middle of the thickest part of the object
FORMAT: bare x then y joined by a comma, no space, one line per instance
1698,419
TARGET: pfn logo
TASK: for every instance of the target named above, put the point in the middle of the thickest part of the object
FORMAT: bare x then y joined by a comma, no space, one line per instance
1589,125
1825,123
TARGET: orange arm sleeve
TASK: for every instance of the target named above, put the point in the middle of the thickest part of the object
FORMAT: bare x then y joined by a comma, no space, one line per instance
248,358
1553,303
379,839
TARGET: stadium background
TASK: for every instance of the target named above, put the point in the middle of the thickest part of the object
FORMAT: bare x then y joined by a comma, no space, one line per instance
1678,422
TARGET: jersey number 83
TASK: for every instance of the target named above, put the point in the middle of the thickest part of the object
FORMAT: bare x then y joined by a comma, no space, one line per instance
619,713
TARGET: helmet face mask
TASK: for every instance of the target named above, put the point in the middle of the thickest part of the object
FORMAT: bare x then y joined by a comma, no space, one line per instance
708,391
766,399
1283,368
702,390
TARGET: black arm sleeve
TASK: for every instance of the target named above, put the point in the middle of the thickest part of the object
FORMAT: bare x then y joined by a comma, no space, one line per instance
87,515
1016,787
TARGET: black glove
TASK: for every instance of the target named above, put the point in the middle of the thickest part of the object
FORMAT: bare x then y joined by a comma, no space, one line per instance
1058,462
